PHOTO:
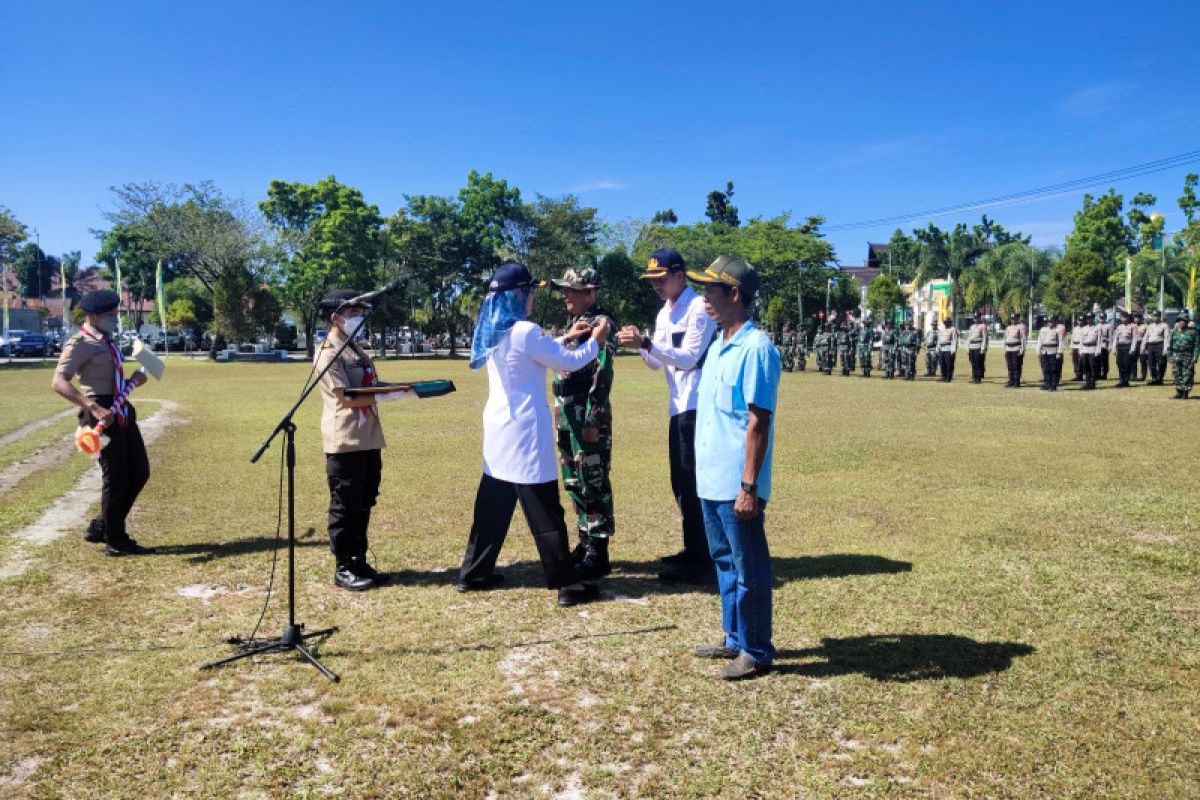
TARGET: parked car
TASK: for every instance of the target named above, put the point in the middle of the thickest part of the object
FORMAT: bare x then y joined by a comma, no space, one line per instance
169,341
34,345
8,344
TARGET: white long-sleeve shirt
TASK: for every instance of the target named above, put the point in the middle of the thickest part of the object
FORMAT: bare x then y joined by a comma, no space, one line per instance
682,332
518,431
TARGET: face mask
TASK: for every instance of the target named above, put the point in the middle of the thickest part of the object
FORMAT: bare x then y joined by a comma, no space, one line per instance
352,326
107,325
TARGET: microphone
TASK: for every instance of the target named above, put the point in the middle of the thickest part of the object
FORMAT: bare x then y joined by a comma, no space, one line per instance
369,298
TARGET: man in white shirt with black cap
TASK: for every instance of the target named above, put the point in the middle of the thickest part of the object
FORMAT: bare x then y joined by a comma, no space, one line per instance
682,333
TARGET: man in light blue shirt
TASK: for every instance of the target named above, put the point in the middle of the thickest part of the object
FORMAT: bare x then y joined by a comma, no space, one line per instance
734,442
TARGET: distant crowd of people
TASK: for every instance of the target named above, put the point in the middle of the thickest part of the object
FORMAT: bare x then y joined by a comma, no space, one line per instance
1141,348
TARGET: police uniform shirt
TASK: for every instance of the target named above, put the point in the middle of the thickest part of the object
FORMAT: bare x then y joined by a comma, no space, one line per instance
345,430
1157,333
87,355
1126,334
977,337
1106,334
1049,342
1089,339
947,339
1062,337
1014,338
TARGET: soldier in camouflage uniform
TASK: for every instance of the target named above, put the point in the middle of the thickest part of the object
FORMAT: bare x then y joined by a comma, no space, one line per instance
1184,348
821,345
888,341
931,356
787,349
845,349
801,348
584,416
866,341
909,343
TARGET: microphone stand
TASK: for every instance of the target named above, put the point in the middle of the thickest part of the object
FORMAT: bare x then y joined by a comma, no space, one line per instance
293,638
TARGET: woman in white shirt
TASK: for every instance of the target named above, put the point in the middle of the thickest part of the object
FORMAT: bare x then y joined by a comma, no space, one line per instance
519,459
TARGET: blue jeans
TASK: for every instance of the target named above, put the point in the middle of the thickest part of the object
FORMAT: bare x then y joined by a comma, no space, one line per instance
739,551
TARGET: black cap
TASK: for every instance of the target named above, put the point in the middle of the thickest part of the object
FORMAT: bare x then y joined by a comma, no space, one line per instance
662,261
337,300
100,302
513,275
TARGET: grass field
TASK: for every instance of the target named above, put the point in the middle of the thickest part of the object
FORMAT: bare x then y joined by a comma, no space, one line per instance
980,592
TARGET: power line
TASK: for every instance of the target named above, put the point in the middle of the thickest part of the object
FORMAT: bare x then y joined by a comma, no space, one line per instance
1029,195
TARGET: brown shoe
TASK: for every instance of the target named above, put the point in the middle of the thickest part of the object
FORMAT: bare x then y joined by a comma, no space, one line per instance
744,667
718,650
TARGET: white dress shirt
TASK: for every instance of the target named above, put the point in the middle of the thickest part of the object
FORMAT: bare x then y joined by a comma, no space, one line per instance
682,332
518,433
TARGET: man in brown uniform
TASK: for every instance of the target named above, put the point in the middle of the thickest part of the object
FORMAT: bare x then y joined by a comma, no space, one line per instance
93,357
1016,339
1125,340
352,438
977,345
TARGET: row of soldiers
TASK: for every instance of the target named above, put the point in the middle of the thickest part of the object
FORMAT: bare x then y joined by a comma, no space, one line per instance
1134,341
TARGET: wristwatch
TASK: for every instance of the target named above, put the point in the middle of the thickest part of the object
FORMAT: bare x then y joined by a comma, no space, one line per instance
749,488
646,343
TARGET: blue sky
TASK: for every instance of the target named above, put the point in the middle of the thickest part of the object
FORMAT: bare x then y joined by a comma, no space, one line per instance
851,110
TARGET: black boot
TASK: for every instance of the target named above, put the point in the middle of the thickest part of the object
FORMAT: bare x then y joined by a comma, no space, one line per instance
345,578
360,567
581,549
595,560
95,532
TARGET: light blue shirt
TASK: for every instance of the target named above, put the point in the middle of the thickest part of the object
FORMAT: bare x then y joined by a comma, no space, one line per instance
737,374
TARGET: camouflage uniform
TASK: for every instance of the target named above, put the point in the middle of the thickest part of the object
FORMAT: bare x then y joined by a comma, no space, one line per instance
581,400
822,346
931,355
845,349
1185,346
801,355
887,353
866,340
787,350
910,343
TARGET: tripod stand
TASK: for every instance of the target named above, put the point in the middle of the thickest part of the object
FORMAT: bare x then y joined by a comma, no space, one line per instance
293,637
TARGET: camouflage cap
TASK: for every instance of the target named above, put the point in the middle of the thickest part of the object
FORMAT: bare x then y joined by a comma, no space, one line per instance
585,278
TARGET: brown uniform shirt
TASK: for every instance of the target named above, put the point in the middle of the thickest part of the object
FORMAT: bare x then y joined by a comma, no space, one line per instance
344,430
87,355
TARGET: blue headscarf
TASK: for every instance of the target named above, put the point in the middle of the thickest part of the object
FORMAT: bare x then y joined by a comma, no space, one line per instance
500,311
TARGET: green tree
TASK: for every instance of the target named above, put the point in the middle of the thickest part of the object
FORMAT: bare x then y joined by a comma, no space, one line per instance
630,300
883,295
181,314
1077,282
904,257
35,270
12,233
1100,229
720,209
667,217
562,234
326,236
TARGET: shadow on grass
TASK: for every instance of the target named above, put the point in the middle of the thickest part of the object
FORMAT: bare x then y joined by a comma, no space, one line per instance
637,578
903,657
203,552
487,647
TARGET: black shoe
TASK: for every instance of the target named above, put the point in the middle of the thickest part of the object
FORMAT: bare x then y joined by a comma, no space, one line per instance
595,560
344,577
580,551
480,584
573,597
95,532
682,557
360,567
696,575
126,548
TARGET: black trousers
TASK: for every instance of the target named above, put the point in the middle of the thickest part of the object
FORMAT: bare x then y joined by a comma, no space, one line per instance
977,358
495,501
1051,366
681,447
1077,363
1102,364
1058,364
1014,360
1089,364
1158,361
946,364
353,487
1143,359
125,469
1125,363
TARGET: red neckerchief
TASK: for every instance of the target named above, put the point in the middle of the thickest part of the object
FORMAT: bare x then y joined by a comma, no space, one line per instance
121,386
